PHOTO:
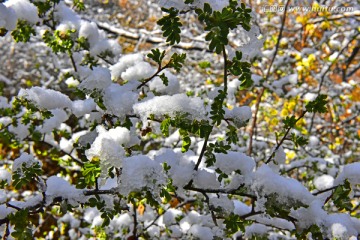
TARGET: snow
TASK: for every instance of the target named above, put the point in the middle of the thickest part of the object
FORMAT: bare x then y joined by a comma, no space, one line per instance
140,172
171,106
233,161
67,18
59,116
280,156
255,229
342,226
21,131
46,98
351,172
107,146
90,31
98,78
59,187
200,232
81,107
239,115
71,219
314,214
141,70
105,45
26,159
24,10
4,102
222,202
324,182
170,216
182,167
4,211
158,86
206,179
119,100
5,176
8,18
30,202
241,208
125,62
286,189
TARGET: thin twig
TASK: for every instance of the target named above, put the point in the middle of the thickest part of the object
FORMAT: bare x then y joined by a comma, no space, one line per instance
284,137
258,99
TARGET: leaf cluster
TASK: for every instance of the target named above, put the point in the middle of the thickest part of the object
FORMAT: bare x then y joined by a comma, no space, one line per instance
219,23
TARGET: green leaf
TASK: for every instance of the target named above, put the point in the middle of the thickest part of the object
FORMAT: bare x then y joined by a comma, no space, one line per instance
164,79
156,55
204,64
170,25
176,61
23,31
341,197
318,105
186,141
289,122
164,126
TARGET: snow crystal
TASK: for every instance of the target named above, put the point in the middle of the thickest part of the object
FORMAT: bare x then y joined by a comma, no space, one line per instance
90,31
125,62
107,146
250,42
170,216
59,116
204,179
21,131
309,96
105,45
233,161
255,229
324,182
4,102
171,106
5,176
8,18
313,141
182,168
24,10
30,202
59,187
46,98
4,211
193,217
82,107
97,79
158,86
342,226
175,231
140,70
280,156
284,188
351,172
239,115
223,202
24,158
119,100
314,214
66,16
69,218
141,172
154,232
200,232
241,208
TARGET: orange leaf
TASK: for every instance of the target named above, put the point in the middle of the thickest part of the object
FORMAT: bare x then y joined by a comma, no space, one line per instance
141,209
